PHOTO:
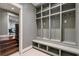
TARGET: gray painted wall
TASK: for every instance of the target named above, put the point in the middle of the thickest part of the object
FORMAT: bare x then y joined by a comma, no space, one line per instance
29,24
3,23
0,22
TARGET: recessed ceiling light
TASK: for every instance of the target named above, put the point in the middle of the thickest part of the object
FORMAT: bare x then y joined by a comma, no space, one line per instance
12,8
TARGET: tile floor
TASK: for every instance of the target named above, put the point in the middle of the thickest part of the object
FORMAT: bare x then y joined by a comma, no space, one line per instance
31,52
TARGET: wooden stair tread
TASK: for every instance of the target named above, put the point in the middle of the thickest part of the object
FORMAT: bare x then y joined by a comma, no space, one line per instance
8,43
10,51
8,47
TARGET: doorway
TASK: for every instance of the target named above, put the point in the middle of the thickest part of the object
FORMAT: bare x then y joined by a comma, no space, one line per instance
9,31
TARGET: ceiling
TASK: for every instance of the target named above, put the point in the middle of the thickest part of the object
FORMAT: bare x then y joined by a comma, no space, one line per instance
8,7
36,4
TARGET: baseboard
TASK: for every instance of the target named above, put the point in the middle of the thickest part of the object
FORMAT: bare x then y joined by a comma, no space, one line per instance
27,48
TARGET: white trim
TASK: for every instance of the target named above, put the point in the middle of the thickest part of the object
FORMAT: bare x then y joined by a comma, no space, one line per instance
20,33
8,23
38,18
20,27
45,10
45,16
60,22
55,6
41,22
68,10
49,21
55,13
27,48
38,12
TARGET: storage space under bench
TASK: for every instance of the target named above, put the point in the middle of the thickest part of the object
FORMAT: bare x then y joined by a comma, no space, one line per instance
35,44
42,46
65,53
53,50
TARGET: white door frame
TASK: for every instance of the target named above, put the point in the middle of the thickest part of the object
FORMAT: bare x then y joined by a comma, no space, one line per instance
20,28
20,33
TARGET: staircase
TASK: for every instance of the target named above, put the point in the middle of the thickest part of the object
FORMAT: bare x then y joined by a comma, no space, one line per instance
8,47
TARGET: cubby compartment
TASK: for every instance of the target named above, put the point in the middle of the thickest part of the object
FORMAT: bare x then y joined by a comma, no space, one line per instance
38,9
45,13
53,50
44,47
38,22
54,4
69,26
45,29
45,6
35,44
65,53
38,15
55,27
68,6
55,10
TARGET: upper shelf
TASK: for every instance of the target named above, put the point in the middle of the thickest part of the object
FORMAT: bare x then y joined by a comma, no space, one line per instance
38,15
54,5
45,13
68,6
38,9
55,10
45,6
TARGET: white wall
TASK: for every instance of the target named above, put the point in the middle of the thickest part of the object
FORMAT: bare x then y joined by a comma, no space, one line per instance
3,23
29,24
